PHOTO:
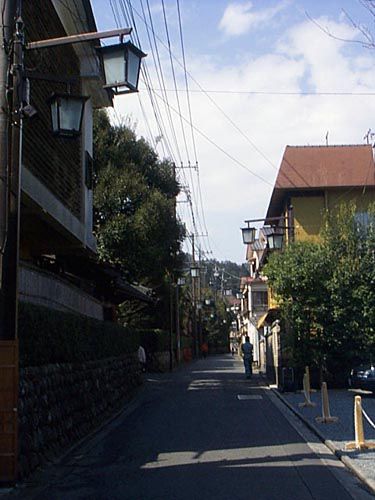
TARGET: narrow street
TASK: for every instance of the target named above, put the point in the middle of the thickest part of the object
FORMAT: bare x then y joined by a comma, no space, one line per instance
203,432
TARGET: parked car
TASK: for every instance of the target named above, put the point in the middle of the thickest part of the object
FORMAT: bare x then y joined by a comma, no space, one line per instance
363,377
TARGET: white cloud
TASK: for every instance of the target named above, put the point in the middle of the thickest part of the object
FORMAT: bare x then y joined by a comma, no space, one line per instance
305,55
239,18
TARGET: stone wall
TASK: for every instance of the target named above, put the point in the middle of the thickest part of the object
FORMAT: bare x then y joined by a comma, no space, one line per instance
59,404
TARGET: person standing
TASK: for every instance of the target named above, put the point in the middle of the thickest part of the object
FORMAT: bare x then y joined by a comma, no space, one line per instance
204,349
247,353
142,358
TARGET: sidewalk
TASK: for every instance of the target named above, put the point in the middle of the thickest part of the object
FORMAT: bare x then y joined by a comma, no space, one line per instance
336,435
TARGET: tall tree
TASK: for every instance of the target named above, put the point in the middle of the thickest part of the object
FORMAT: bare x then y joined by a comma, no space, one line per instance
134,202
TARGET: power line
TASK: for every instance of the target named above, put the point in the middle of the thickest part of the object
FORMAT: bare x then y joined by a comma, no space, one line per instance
160,73
174,78
190,117
271,92
242,165
128,11
186,80
214,102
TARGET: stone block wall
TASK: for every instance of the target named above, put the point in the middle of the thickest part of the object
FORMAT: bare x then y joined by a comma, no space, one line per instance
60,404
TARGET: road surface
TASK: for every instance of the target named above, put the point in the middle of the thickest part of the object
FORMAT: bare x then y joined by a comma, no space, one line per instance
202,432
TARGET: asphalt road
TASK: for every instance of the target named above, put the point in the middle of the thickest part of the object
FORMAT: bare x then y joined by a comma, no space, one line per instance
203,432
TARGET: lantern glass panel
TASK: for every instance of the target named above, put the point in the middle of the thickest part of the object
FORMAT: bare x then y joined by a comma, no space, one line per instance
133,67
70,114
194,272
275,241
114,66
248,235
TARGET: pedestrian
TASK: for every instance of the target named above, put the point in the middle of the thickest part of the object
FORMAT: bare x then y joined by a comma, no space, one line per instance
233,351
204,349
247,353
142,358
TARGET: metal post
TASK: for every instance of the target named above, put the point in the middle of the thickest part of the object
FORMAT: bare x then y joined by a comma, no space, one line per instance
178,333
194,295
171,324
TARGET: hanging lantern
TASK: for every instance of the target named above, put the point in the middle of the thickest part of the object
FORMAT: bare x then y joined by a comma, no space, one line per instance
248,235
275,240
67,114
194,271
122,64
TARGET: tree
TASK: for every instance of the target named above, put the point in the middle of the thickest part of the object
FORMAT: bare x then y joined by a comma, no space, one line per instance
349,241
326,292
134,203
297,278
134,209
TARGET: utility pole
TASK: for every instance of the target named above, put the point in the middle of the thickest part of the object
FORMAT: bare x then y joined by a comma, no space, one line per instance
11,92
194,294
171,319
178,331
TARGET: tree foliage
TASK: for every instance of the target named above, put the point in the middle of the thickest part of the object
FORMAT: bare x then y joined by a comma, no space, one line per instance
326,292
134,203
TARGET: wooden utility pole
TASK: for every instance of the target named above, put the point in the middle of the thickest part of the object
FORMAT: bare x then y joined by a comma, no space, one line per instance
194,295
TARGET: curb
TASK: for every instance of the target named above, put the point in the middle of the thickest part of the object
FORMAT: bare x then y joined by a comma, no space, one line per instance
347,461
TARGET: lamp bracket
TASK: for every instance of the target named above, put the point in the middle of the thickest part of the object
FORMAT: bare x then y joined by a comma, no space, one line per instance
83,37
265,219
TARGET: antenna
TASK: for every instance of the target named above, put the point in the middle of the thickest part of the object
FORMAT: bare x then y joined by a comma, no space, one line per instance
367,136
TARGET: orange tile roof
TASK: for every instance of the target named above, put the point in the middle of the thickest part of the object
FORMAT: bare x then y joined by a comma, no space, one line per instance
319,167
326,166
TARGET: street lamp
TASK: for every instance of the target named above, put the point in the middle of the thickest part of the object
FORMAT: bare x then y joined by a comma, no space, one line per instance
66,114
194,271
122,64
275,239
248,234
275,234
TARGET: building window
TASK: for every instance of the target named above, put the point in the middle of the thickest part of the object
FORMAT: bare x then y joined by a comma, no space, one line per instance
259,300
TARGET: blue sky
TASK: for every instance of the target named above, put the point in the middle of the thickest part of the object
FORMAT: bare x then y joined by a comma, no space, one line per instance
240,55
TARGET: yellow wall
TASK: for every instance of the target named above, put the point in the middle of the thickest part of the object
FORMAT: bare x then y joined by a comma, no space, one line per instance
309,210
308,217
272,302
362,198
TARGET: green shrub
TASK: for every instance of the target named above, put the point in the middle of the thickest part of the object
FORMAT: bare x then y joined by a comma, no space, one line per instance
50,336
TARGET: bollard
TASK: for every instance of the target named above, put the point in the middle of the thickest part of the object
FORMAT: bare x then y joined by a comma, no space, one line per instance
360,443
326,414
306,393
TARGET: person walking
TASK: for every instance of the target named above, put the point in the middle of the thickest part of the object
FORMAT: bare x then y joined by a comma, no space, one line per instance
247,353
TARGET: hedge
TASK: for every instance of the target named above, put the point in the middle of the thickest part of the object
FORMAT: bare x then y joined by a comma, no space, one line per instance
49,336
